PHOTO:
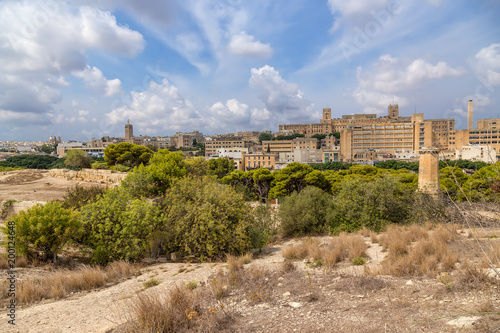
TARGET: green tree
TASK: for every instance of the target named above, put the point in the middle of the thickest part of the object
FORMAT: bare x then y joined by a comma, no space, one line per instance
220,167
156,177
294,178
372,203
205,219
196,167
305,212
119,227
48,149
128,154
262,179
265,137
45,228
77,158
335,134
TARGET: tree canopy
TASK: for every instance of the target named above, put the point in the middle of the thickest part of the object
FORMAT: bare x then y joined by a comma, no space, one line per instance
128,154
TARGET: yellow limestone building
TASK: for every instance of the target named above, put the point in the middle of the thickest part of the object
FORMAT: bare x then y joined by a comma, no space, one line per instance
391,134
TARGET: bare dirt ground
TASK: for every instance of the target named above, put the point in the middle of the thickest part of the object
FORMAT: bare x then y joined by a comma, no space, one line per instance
34,185
342,299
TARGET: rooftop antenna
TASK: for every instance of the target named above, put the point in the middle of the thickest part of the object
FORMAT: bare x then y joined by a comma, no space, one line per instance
415,109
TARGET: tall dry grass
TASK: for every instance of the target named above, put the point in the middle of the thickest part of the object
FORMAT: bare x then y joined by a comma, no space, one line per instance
344,246
180,311
415,251
60,283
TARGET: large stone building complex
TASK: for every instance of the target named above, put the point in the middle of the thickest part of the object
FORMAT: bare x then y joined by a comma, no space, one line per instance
363,135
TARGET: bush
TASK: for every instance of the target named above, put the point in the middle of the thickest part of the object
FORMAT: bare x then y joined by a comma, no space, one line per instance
79,196
305,212
155,178
265,226
370,203
119,227
45,229
205,219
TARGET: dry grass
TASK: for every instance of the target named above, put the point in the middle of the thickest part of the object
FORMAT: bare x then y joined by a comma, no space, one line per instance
182,310
287,266
418,252
344,246
3,262
60,283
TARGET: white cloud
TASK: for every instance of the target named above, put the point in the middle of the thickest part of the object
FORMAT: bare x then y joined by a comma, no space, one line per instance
487,64
355,7
160,107
93,78
43,41
392,78
243,44
280,97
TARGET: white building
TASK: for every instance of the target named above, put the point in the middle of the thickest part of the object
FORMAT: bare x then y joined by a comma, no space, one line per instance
477,153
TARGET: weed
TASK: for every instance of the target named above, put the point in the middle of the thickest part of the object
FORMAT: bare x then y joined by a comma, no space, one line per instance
191,285
358,261
151,283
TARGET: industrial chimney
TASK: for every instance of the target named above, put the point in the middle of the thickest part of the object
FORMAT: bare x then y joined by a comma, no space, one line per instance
470,110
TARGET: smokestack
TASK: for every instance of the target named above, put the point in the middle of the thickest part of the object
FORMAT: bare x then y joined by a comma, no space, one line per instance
470,110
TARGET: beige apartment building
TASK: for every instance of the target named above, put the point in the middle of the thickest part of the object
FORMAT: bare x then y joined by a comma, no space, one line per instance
212,147
364,136
283,146
259,160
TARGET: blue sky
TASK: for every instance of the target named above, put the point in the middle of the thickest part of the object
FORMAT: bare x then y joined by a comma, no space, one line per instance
80,69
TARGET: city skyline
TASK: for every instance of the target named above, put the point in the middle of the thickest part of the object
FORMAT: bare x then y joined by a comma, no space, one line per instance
80,70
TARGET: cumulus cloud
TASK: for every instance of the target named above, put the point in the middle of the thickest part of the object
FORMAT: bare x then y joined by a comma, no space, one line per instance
487,64
280,97
243,44
391,78
42,41
93,78
160,107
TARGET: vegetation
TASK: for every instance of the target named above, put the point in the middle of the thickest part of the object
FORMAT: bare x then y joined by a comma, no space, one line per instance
155,178
220,167
205,219
305,212
29,161
117,227
265,137
128,154
77,158
79,196
44,228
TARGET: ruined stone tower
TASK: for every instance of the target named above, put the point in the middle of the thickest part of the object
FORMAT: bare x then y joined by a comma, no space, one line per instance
428,175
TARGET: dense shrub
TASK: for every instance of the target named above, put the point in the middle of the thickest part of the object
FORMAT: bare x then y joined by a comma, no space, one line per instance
370,203
45,229
205,219
264,229
79,196
305,212
118,226
33,162
156,177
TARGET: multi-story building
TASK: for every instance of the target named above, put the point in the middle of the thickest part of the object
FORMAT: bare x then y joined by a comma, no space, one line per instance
258,160
282,146
212,147
477,153
186,140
